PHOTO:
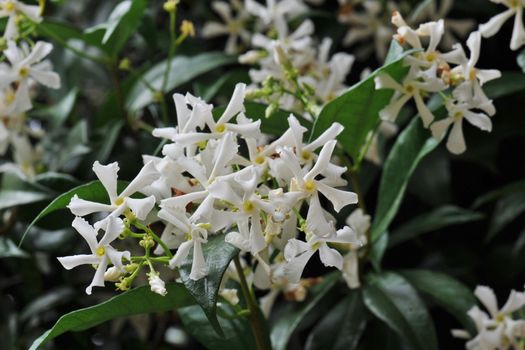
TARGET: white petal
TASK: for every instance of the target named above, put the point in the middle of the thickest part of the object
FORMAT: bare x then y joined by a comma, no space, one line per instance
385,81
198,267
108,175
440,127
339,198
113,227
238,240
351,270
423,110
70,262
516,301
494,25
235,105
98,279
329,134
141,207
116,257
46,78
322,161
330,257
518,33
81,207
488,299
480,120
391,111
181,254
145,177
456,141
31,11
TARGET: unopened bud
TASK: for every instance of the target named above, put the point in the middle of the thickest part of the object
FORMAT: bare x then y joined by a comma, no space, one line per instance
112,274
157,285
187,29
171,5
125,64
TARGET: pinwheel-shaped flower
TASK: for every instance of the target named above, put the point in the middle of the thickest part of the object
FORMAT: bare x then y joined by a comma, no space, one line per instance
102,253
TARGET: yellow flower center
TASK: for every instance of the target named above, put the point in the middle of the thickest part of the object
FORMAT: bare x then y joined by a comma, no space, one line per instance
23,72
514,4
473,73
101,251
119,201
458,115
306,155
9,6
220,128
316,245
431,56
309,186
248,206
259,160
409,89
9,97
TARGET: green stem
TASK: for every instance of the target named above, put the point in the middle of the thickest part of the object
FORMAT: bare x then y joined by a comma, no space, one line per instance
261,340
171,53
119,96
155,238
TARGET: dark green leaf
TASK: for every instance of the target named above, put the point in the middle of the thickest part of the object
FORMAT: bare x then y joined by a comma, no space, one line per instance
342,327
394,301
378,251
509,83
444,216
218,255
237,334
9,250
58,113
92,191
412,145
358,108
292,316
508,209
10,199
518,186
446,291
136,301
46,302
183,70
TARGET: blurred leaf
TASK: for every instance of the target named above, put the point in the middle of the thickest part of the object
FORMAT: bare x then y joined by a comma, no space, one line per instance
358,108
9,250
183,70
75,145
507,210
378,251
518,186
393,300
444,216
218,255
136,301
283,328
57,182
237,334
10,199
509,83
446,291
58,113
121,24
521,60
208,91
342,327
111,132
92,191
411,146
46,302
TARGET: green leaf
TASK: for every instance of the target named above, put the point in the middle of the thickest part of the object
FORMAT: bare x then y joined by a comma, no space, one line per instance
121,24
183,70
9,250
508,209
92,191
444,216
509,83
237,334
358,108
411,146
378,251
521,60
394,301
446,291
518,186
342,327
136,301
218,255
293,314
59,112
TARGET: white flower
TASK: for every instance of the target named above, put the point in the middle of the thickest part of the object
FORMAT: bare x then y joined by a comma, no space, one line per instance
360,223
157,285
195,233
275,11
233,26
107,174
515,8
297,253
102,253
458,111
13,8
496,330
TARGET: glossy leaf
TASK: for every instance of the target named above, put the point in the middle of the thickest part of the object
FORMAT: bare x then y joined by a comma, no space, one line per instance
444,216
446,291
9,250
507,209
358,108
521,60
218,255
509,83
342,327
10,199
411,146
394,301
92,191
236,332
378,251
283,328
183,70
59,112
136,301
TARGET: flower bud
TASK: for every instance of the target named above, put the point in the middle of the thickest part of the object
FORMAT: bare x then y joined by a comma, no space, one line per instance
187,29
112,274
230,295
157,284
171,5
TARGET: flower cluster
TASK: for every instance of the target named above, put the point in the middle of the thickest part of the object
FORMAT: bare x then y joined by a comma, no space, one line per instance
497,329
221,176
23,67
454,75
